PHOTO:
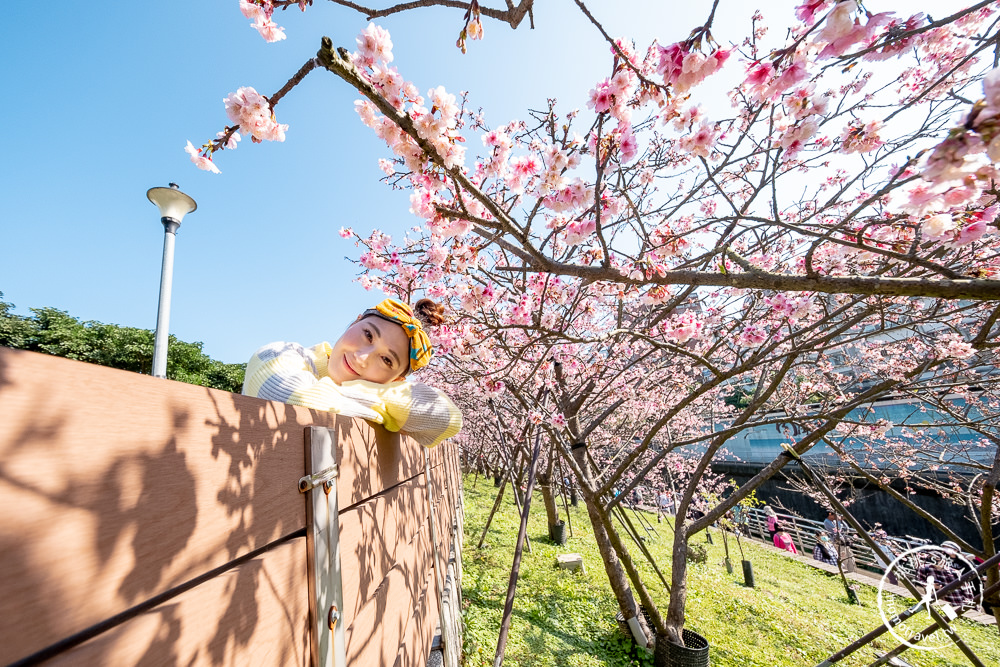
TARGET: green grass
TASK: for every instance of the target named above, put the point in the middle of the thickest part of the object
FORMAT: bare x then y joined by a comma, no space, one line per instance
797,615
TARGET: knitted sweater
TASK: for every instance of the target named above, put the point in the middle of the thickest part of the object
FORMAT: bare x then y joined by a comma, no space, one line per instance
291,373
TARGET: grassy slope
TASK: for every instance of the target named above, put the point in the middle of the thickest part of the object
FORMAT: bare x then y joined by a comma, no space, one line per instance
796,615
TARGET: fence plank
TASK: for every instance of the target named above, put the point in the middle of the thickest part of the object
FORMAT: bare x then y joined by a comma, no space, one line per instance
419,634
255,614
372,460
375,634
375,536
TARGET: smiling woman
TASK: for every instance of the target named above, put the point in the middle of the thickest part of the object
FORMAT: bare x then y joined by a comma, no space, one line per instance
363,373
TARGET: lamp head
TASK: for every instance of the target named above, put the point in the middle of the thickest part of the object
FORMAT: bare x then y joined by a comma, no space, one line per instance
173,203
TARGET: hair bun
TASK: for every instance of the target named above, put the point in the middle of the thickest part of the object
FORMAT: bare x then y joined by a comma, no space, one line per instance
429,312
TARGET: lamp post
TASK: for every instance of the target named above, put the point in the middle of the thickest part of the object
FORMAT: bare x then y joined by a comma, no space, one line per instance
173,205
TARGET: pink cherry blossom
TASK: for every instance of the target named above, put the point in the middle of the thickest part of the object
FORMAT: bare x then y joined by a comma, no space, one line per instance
600,98
628,146
252,112
577,231
937,227
953,346
252,10
861,137
973,231
683,328
231,141
374,45
199,160
671,62
436,254
807,11
346,232
475,29
758,73
268,29
701,141
839,22
752,336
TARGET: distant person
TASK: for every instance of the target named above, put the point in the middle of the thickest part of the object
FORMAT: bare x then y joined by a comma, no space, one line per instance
961,565
662,504
783,540
839,533
772,521
835,527
741,520
824,550
884,555
934,573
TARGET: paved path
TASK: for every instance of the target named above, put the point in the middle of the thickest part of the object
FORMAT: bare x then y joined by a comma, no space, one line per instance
860,576
870,579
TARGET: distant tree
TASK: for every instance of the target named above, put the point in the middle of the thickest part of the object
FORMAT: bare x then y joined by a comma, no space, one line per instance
60,334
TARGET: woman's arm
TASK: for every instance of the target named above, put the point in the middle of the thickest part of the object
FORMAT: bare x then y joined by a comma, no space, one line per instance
420,411
291,373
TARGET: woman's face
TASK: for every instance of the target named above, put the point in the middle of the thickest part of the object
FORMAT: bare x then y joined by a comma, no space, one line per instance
371,349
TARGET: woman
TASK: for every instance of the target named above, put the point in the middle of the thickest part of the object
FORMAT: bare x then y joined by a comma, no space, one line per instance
824,551
363,373
783,540
772,521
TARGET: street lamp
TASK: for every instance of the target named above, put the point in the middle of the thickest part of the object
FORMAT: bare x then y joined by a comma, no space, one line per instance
173,205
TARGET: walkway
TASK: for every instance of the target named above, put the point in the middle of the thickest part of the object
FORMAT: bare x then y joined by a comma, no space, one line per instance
869,579
861,576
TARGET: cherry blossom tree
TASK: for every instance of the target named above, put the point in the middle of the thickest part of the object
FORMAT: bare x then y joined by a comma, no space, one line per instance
824,239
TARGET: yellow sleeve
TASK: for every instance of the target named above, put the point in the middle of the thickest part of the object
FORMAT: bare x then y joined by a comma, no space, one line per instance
418,410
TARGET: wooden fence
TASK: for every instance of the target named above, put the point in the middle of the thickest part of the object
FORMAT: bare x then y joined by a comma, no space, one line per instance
151,522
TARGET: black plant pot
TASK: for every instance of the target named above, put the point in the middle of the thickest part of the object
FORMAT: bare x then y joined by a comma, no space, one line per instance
624,627
694,653
557,533
748,573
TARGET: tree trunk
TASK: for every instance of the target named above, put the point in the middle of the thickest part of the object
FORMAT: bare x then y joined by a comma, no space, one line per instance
612,565
549,500
986,528
678,585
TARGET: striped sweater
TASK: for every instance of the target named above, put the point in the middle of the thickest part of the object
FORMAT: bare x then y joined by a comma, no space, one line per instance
291,373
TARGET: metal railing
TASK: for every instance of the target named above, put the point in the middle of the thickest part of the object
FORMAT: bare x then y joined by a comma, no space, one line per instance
805,533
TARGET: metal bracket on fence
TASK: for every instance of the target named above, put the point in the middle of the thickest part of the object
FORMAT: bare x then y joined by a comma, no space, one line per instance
323,546
324,477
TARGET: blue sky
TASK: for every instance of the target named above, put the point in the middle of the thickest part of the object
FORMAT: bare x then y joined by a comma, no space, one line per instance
100,102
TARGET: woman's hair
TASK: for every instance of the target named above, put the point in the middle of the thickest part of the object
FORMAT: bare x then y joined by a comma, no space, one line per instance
426,312
431,314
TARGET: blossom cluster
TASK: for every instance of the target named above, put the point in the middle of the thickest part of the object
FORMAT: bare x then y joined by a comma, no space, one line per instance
251,111
436,125
683,67
260,12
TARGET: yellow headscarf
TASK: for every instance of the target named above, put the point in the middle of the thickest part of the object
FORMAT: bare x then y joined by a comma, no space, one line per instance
421,350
